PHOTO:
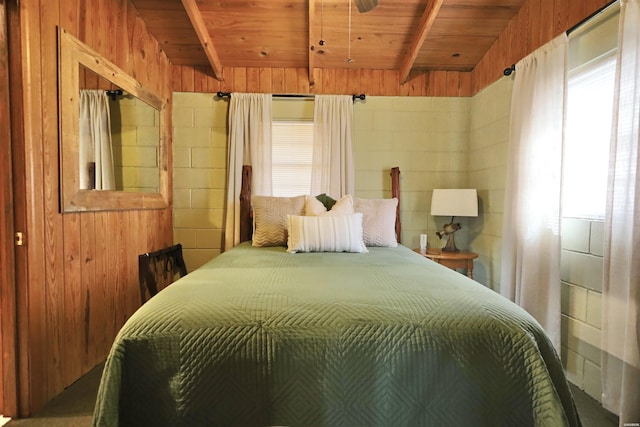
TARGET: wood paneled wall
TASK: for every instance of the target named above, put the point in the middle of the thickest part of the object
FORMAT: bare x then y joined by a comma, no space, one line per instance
77,274
330,81
8,384
538,22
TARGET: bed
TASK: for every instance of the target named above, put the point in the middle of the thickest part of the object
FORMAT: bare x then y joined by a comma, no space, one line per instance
260,336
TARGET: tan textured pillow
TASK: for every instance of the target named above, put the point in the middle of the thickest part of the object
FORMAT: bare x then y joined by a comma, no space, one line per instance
378,222
314,207
326,233
270,218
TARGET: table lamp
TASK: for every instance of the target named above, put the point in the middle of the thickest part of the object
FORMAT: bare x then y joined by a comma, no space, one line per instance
453,202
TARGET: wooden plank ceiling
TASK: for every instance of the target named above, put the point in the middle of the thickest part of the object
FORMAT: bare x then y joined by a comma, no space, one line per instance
396,35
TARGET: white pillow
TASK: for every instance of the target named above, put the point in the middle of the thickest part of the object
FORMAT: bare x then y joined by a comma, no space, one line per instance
332,233
379,221
314,207
270,218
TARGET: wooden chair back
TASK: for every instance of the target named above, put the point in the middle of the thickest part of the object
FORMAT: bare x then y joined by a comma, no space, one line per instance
159,269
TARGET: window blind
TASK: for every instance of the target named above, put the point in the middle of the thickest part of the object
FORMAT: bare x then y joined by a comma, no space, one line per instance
292,151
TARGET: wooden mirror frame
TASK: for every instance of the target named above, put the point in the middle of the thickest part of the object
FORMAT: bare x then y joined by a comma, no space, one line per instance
72,53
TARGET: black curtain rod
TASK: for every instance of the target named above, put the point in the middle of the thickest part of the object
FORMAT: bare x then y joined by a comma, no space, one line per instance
597,12
508,71
512,69
113,93
361,97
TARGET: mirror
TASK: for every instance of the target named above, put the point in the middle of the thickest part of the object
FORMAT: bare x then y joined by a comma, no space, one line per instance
132,172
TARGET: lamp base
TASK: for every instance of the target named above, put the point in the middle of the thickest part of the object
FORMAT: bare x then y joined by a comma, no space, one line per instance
451,244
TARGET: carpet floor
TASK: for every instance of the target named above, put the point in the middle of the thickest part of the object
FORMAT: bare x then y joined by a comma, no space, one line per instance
74,407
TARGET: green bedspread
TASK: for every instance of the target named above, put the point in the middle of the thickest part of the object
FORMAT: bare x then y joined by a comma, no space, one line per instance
260,337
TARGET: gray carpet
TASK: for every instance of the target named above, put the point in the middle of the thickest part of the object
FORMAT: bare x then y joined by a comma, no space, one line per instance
74,407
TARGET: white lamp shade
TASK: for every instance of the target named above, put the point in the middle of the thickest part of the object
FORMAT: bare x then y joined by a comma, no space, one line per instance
454,202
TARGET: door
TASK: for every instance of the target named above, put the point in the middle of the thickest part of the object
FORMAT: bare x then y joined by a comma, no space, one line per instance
8,326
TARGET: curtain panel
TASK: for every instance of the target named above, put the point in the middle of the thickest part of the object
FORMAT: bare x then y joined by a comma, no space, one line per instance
249,144
332,170
621,281
95,146
530,271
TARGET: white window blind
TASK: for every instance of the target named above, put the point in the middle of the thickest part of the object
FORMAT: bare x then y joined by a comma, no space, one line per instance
292,151
587,138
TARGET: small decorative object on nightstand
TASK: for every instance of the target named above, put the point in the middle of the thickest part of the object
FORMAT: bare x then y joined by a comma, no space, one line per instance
453,260
453,202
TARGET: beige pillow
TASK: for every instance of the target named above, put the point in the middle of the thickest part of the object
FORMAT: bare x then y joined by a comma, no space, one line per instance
328,233
378,221
270,218
314,207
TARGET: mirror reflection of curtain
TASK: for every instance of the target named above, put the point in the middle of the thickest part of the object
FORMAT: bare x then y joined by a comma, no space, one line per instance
621,285
332,170
249,144
95,141
530,272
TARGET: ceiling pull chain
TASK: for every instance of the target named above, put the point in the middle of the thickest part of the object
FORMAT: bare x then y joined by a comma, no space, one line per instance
349,60
321,42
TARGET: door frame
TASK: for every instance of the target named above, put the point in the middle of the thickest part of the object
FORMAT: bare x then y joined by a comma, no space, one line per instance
8,317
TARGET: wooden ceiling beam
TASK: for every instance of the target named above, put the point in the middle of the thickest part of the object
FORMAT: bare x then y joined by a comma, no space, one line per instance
312,41
429,15
199,26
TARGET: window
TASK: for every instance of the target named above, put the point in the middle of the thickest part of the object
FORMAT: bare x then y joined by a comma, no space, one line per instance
587,138
292,151
589,111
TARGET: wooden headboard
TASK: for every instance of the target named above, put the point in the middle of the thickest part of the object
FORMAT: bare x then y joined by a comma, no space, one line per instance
246,218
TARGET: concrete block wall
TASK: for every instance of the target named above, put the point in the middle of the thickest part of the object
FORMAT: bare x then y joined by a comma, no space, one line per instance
428,139
581,273
199,175
488,143
135,134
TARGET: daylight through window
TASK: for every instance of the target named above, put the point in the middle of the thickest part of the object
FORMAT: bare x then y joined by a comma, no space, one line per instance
587,137
292,151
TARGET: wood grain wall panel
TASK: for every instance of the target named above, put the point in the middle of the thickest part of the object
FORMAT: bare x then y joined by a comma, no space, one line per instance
19,177
188,79
80,281
8,338
327,81
253,80
537,23
390,82
92,313
57,318
277,80
200,79
266,80
239,80
33,370
71,303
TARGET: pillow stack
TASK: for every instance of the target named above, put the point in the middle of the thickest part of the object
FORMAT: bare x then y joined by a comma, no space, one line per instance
322,224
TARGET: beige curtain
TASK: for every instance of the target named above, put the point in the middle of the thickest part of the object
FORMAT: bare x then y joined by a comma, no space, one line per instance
95,141
332,170
530,272
249,144
621,284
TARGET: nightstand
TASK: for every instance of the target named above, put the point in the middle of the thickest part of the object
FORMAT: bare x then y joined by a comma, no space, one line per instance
453,260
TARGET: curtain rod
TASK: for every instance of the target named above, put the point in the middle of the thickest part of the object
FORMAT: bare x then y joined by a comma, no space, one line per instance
361,97
508,71
113,93
594,14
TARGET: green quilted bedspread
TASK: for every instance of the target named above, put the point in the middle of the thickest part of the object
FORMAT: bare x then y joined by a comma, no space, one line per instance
260,337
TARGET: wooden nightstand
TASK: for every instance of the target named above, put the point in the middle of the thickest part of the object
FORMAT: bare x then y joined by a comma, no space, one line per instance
453,260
